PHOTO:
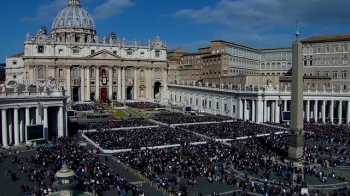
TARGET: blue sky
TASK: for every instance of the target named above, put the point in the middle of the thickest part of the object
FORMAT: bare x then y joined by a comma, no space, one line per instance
187,23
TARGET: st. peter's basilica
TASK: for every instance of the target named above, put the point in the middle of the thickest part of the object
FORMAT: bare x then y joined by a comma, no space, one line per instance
91,67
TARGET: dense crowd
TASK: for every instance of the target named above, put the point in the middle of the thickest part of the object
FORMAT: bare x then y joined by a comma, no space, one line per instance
144,105
85,107
326,132
92,175
231,130
180,118
110,124
137,138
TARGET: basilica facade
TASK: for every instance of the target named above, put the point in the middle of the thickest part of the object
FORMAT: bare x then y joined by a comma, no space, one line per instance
92,67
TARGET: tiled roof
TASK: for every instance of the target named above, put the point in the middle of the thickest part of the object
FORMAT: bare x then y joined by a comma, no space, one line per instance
327,38
18,55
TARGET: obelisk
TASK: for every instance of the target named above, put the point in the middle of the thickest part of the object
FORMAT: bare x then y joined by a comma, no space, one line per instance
296,137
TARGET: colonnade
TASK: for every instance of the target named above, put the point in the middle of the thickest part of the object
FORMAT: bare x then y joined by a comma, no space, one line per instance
259,110
15,120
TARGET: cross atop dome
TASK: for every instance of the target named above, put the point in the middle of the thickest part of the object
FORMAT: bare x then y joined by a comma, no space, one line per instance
74,2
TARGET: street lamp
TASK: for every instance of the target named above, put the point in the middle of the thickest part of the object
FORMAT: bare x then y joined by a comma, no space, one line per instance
280,108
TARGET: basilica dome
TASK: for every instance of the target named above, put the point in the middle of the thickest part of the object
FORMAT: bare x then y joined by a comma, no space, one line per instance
73,17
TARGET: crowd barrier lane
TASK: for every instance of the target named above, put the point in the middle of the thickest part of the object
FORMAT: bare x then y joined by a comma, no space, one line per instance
125,128
197,123
157,122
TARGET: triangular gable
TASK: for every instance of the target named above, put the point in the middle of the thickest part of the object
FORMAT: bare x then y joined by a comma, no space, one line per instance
103,54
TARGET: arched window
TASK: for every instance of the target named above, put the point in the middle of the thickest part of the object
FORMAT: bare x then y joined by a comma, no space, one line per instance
157,74
289,66
92,73
60,73
273,66
262,65
41,74
128,73
142,74
75,73
268,66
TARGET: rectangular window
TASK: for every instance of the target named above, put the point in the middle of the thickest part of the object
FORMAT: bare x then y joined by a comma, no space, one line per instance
114,52
335,48
128,53
196,101
203,103
191,101
326,49
60,51
234,109
142,54
14,63
318,49
157,54
92,51
344,87
326,74
180,98
343,74
75,51
217,105
209,104
310,62
225,107
40,49
335,75
345,48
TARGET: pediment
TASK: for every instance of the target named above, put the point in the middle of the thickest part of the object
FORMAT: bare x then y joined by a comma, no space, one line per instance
104,54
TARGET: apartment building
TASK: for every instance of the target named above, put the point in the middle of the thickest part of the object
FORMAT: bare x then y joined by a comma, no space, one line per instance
174,62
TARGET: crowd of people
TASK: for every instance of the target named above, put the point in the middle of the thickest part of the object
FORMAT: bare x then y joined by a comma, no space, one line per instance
97,116
85,107
231,130
180,118
145,137
92,174
110,124
144,105
325,132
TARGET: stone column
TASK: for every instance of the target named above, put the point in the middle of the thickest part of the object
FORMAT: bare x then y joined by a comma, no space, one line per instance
21,125
316,110
46,122
285,104
68,81
324,111
347,112
97,82
119,83
15,126
340,109
273,111
110,83
136,84
253,110
123,84
88,91
4,127
331,109
260,111
265,111
60,132
82,84
240,111
277,112
10,126
165,84
245,109
37,116
307,112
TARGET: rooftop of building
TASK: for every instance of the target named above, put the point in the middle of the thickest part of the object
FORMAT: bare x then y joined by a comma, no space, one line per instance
326,38
17,55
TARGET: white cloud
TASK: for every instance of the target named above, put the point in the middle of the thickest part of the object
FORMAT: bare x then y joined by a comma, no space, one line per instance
110,8
262,14
47,12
